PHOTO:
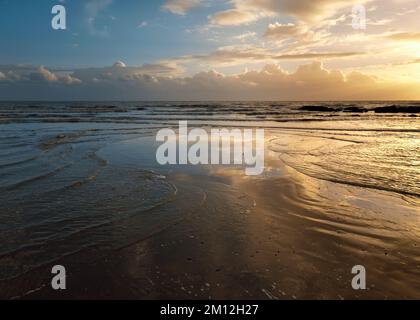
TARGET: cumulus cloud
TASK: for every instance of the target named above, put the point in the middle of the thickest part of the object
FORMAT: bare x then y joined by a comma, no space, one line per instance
309,82
34,75
180,7
70,80
119,64
43,74
120,71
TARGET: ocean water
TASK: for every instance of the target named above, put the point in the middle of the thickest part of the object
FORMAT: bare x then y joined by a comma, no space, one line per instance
59,196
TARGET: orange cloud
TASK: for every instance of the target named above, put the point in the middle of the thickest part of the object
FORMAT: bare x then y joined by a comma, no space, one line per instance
405,36
245,11
309,82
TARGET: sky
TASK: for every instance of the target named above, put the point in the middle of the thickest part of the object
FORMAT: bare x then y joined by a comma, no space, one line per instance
210,50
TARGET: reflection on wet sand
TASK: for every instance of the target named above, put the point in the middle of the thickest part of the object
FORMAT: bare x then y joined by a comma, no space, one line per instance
283,235
90,196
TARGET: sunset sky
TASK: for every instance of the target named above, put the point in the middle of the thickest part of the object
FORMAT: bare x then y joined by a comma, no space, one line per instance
210,49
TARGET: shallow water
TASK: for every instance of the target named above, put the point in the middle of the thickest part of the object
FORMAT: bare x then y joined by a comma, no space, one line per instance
75,178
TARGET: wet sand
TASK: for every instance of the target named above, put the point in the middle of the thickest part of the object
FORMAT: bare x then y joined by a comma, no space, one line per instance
283,235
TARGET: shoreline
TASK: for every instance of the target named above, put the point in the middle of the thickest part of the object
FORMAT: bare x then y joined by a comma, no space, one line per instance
281,236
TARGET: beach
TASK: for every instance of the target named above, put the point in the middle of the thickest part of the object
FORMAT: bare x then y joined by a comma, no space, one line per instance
81,188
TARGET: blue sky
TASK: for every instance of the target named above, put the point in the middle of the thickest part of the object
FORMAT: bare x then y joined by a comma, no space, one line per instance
115,35
177,49
26,28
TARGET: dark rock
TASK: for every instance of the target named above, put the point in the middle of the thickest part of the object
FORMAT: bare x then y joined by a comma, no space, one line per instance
398,109
317,109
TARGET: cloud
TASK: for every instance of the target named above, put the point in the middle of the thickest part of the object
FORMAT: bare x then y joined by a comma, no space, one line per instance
180,7
296,33
245,11
237,55
119,64
408,11
232,17
121,72
43,74
229,56
245,36
284,31
309,82
405,36
322,55
70,80
143,24
34,75
404,63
